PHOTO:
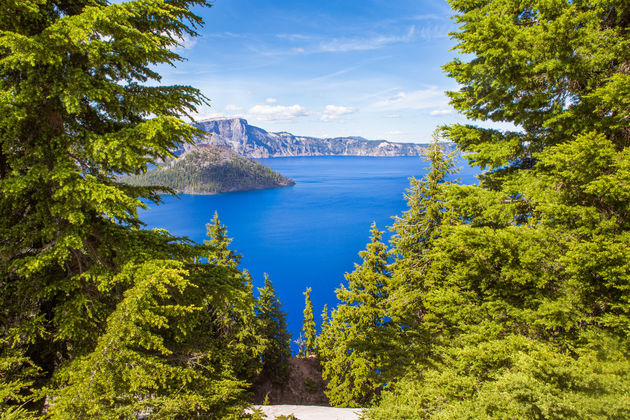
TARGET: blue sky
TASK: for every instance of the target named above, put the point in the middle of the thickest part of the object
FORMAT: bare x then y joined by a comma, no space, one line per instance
370,68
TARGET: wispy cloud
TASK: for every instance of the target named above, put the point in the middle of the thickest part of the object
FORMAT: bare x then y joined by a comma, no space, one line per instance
430,97
226,35
330,75
276,112
184,42
364,44
440,112
294,37
333,112
307,44
233,108
428,16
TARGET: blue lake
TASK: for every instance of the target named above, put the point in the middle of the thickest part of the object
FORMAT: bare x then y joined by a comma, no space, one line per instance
307,235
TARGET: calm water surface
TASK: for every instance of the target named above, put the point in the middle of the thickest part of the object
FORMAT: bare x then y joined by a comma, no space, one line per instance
307,235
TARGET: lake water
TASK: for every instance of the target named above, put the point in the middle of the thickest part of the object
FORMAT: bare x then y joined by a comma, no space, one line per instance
307,235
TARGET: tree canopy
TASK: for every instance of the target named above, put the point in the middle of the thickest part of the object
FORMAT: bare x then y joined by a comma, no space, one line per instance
356,342
273,328
308,343
100,318
512,296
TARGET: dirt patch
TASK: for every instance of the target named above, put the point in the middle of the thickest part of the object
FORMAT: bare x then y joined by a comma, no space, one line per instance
304,386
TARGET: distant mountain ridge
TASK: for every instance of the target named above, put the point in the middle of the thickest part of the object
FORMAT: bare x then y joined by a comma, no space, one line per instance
254,142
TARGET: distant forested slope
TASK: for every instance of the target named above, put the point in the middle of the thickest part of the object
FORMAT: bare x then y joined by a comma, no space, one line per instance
209,169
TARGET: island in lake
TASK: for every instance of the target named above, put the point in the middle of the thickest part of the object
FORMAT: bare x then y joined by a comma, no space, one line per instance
219,161
211,169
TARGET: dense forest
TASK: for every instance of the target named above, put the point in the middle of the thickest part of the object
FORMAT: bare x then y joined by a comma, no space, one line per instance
508,299
209,169
100,318
511,298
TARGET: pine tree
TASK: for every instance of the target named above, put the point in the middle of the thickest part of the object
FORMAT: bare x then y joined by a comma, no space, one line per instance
309,346
525,298
325,336
101,319
356,345
273,329
419,225
413,236
219,241
325,318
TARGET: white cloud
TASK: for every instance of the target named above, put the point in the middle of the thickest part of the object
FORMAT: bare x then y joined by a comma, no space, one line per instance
392,116
430,97
183,42
233,108
363,44
440,112
294,37
276,112
333,112
206,112
271,100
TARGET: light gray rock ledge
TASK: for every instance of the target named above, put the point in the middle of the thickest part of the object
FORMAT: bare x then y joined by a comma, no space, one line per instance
310,412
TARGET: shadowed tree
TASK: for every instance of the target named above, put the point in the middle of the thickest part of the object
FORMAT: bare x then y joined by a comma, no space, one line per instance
356,343
273,329
525,298
101,319
309,345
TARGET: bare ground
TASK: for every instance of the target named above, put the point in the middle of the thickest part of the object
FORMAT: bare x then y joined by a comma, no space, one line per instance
304,386
312,412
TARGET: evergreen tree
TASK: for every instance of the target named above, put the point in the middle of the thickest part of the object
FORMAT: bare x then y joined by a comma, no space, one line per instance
356,345
220,242
419,225
526,298
273,328
325,336
309,345
413,236
101,319
325,318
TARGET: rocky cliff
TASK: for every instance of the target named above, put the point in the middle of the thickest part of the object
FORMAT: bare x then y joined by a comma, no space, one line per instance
248,140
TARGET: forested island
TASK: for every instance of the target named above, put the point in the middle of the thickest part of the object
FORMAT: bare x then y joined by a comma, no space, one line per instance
509,299
210,169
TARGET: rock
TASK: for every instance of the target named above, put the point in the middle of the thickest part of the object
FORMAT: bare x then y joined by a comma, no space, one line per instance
304,385
251,141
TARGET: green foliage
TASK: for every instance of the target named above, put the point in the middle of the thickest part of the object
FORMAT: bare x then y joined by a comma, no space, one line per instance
414,234
310,385
356,348
286,417
219,242
309,345
101,319
210,170
511,298
156,355
515,378
273,328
